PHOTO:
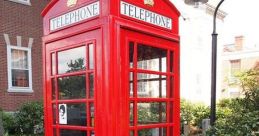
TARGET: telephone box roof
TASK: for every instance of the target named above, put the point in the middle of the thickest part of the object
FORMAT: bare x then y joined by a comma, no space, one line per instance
53,2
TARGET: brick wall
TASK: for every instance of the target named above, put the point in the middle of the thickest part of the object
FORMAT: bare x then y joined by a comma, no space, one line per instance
25,21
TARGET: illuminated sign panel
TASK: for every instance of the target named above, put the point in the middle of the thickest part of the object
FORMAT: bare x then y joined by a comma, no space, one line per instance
145,15
75,16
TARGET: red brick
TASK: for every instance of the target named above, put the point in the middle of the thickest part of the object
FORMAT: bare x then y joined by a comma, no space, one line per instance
25,21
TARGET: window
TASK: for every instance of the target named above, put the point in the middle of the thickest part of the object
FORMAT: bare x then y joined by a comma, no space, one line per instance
72,79
235,66
25,2
150,90
19,69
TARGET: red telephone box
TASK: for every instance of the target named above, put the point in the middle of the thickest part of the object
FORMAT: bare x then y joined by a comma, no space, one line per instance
111,68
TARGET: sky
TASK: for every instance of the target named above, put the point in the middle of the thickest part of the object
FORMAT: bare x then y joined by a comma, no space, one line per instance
242,19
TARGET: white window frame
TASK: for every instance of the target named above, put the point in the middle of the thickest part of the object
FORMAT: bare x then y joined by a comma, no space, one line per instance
9,66
27,2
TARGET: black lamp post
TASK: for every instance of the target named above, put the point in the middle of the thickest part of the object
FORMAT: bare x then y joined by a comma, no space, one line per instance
214,58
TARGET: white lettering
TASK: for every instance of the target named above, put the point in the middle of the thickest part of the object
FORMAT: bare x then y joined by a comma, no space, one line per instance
83,13
145,15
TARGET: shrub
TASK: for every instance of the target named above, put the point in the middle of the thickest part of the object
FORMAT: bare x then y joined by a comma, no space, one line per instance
8,122
192,114
30,118
243,119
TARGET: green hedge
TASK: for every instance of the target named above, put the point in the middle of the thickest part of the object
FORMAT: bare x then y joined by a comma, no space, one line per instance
28,120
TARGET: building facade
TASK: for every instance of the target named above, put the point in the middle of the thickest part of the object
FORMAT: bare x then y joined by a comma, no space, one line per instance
195,31
236,57
20,52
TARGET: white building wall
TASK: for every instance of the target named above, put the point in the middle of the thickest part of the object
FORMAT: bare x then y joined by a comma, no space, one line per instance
195,32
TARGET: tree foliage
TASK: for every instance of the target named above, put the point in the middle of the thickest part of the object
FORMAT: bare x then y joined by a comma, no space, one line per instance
243,117
28,120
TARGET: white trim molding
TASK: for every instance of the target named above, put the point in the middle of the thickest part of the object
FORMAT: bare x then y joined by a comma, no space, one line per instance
9,67
19,41
30,42
7,39
25,2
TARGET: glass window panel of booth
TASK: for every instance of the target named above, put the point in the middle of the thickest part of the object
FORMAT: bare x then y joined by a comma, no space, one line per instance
91,85
151,113
72,60
131,54
151,86
64,132
151,78
54,109
92,133
131,84
91,56
72,87
131,133
131,108
74,114
151,58
91,113
152,132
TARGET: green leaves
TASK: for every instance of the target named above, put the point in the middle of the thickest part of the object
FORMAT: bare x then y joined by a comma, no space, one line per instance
243,113
28,120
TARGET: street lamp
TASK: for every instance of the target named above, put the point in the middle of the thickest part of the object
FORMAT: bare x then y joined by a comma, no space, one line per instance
195,3
214,58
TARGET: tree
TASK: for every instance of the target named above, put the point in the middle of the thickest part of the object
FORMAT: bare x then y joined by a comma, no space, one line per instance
73,86
243,117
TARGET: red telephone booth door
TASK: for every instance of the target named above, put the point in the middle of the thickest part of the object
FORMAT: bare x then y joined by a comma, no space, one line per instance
151,88
71,85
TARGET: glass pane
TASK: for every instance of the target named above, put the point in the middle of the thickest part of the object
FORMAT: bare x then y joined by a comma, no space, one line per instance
19,59
152,132
20,78
91,115
131,54
131,133
72,133
53,88
71,60
151,113
76,114
151,86
54,113
131,114
91,56
151,58
131,84
92,133
53,64
91,85
72,87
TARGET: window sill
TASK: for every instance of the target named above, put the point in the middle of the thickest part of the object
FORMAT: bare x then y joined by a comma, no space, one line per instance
20,90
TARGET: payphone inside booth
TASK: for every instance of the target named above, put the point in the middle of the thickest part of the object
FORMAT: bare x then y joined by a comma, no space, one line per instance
111,68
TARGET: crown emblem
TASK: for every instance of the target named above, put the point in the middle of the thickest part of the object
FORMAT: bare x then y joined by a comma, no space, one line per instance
149,2
71,3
